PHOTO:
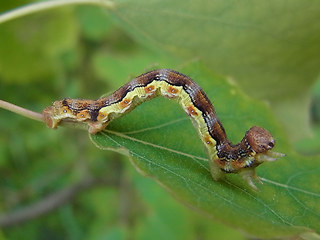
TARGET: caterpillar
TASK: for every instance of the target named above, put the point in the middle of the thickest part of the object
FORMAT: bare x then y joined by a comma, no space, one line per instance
224,157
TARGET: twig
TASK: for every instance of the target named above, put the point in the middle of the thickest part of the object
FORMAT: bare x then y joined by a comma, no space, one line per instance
22,111
50,202
40,6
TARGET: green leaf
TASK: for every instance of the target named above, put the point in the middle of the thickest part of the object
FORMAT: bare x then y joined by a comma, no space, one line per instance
158,222
162,144
94,22
30,46
2,237
271,48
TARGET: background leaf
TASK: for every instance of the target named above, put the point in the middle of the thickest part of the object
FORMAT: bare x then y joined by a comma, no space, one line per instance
285,205
29,47
269,47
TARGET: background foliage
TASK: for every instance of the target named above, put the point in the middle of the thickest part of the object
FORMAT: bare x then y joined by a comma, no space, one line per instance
269,49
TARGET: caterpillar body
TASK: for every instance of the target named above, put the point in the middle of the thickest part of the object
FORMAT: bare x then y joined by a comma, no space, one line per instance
224,157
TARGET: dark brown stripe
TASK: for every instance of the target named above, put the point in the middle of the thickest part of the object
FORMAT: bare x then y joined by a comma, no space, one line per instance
197,96
201,102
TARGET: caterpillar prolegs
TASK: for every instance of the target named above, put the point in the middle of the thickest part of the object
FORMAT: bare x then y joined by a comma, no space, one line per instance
224,157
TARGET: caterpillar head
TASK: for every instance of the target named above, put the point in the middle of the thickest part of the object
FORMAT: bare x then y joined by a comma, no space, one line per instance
259,139
261,142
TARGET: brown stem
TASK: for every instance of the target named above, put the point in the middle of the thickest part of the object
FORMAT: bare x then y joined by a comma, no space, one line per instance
22,111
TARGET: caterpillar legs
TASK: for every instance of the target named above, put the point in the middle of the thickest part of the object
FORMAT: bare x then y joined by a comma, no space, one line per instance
248,173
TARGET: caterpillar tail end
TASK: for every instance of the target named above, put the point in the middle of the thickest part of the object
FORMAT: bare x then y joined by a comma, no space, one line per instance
47,114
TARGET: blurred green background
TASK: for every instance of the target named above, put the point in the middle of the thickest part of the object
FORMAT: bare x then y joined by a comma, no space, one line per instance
84,52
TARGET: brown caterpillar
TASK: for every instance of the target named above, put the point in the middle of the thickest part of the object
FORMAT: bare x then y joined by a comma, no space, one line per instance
224,157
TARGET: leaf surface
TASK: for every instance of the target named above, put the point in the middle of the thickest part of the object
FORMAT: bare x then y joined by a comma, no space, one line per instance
162,143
